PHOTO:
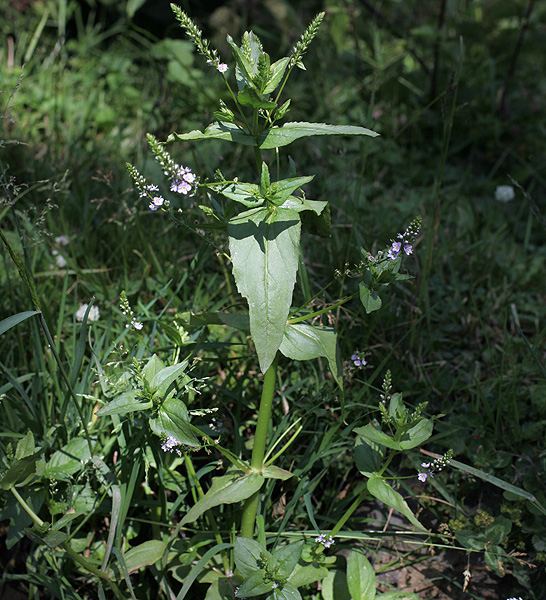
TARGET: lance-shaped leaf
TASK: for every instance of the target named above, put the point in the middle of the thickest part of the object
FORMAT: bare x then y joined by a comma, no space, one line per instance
381,490
173,421
276,73
228,489
302,341
276,137
289,132
302,204
264,249
281,190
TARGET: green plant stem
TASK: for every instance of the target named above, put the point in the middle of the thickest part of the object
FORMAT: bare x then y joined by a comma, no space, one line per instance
88,566
208,514
349,512
258,451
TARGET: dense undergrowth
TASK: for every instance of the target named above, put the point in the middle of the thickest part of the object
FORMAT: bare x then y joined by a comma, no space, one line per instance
455,91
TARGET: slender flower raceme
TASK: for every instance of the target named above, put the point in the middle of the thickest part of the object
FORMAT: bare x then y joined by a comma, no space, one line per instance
183,181
128,312
429,469
147,190
405,240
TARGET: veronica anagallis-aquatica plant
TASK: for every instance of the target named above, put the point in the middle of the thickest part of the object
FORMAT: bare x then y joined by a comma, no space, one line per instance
264,248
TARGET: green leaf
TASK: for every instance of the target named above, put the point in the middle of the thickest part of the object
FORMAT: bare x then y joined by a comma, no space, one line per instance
499,530
173,420
371,434
228,489
145,554
163,379
381,490
275,137
360,576
25,446
497,482
419,433
276,73
264,249
369,298
14,320
254,585
315,207
286,592
305,575
20,471
273,472
265,179
247,553
495,558
305,342
67,461
217,131
471,539
318,224
152,368
249,96
245,67
125,403
285,559
334,586
283,189
368,456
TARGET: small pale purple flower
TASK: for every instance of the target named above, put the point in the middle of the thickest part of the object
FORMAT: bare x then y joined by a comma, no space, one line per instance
274,586
222,67
358,360
408,249
422,477
394,250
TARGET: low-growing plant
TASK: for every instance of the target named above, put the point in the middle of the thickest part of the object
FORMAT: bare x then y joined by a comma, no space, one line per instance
125,467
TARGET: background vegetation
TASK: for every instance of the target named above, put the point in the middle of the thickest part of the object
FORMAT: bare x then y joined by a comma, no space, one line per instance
456,91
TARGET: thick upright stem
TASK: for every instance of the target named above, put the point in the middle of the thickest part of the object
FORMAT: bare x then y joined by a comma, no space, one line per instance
258,451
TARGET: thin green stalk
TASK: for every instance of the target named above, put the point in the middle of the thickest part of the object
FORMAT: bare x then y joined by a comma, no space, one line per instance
88,566
349,512
208,514
258,451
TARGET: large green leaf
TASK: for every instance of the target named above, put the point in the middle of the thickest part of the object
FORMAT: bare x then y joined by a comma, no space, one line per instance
247,553
173,420
245,193
264,250
144,554
275,137
163,379
67,461
281,190
286,558
302,341
225,490
371,434
381,490
289,132
125,403
360,576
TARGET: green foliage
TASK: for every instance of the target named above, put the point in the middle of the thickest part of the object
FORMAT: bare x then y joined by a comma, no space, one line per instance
88,404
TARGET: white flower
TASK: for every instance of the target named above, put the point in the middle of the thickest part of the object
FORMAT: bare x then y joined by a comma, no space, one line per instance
62,240
93,315
59,259
504,193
